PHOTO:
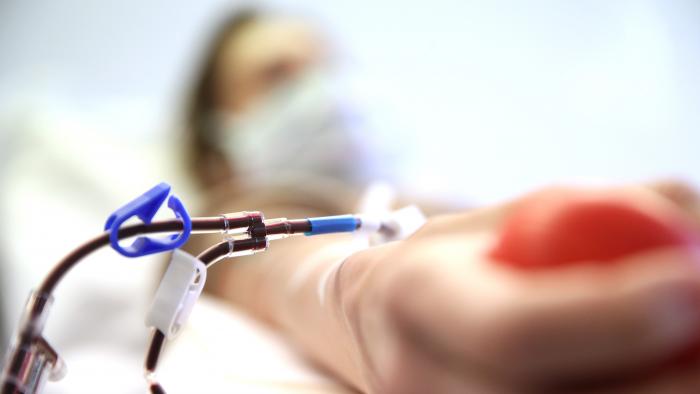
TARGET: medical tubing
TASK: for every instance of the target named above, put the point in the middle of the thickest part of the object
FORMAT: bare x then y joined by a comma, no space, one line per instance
156,388
223,224
277,227
322,225
199,225
155,348
27,332
309,226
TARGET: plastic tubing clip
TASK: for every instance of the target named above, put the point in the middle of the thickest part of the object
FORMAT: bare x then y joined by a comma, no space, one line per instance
145,207
178,292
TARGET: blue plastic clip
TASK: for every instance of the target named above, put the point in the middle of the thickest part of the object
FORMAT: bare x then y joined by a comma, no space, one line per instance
145,208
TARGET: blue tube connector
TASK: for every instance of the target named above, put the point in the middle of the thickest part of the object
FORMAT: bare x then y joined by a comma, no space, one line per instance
333,224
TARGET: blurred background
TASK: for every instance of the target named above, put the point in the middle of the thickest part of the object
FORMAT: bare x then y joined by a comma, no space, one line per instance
465,101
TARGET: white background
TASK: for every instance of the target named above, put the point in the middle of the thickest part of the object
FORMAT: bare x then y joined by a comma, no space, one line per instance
500,95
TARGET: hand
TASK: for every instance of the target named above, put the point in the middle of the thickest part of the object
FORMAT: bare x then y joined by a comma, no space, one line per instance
434,314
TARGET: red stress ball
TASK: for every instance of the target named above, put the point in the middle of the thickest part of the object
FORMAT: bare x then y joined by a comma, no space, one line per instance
561,227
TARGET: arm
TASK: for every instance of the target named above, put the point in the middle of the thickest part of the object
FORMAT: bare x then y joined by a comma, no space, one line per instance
433,314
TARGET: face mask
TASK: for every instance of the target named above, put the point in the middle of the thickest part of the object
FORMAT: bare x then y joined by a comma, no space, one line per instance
300,129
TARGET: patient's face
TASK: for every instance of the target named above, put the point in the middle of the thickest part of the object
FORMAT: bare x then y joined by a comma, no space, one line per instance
266,53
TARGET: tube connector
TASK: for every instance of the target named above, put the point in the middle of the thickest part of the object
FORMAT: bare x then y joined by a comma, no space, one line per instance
244,222
246,247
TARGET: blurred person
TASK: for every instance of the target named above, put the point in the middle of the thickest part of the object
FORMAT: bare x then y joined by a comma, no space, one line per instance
434,312
266,108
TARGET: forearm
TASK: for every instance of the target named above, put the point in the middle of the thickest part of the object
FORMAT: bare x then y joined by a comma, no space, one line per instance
283,287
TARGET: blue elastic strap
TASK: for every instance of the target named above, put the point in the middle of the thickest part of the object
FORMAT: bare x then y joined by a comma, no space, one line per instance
145,207
332,224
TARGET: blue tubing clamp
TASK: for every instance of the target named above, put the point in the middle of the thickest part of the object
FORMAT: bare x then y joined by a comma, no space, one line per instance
145,207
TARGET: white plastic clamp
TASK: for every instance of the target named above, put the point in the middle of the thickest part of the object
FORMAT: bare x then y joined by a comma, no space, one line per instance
179,290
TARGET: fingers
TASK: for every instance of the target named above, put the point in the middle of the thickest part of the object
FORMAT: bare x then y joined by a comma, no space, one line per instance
681,194
618,323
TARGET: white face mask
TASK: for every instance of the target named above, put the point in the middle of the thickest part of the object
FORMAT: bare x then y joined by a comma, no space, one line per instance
300,129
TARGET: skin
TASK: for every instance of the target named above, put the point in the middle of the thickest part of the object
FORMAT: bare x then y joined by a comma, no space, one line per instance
435,313
265,55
